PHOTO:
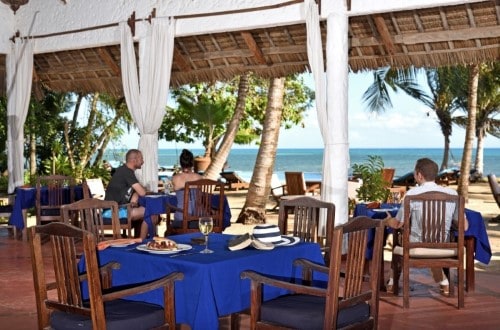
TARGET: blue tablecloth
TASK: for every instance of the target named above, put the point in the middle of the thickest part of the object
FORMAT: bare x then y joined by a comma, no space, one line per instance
212,286
477,228
26,198
156,204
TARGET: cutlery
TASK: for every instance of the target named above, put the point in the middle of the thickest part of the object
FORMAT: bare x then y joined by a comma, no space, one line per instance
182,254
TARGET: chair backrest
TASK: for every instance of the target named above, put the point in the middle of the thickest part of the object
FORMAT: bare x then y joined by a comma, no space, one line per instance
295,183
495,187
89,214
203,197
64,267
93,188
429,215
388,176
347,277
52,191
307,215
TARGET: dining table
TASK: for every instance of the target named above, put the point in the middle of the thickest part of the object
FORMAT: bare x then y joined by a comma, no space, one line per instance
156,204
477,244
212,286
26,199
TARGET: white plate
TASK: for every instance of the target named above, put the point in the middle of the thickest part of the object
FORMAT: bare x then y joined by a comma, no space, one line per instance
121,244
180,248
383,210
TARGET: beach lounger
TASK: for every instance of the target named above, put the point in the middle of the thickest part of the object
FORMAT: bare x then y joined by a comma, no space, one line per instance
234,181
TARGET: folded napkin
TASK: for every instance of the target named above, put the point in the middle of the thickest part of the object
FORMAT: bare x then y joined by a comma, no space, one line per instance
105,244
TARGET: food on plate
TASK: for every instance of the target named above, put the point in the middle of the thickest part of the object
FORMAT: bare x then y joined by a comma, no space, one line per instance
161,243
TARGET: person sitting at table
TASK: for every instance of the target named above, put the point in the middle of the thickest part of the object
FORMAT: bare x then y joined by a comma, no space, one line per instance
425,174
124,188
187,174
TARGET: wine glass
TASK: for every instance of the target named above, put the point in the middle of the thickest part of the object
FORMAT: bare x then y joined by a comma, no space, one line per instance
206,225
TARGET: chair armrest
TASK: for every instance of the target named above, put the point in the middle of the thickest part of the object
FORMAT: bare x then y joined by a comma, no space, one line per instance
167,282
297,288
283,190
172,208
106,272
308,267
307,264
312,188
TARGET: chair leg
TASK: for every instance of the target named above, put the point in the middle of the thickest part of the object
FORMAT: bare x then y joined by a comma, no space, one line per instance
235,321
396,273
406,286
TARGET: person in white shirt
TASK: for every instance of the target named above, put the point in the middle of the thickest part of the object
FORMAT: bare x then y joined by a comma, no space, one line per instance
425,174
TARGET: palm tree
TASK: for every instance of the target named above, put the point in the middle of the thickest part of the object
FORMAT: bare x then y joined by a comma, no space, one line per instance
223,150
259,189
441,100
488,107
463,180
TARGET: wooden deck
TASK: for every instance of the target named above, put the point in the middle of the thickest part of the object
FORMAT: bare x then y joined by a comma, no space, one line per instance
428,309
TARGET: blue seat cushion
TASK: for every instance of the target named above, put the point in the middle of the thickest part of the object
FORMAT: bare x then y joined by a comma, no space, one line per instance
307,312
122,215
120,315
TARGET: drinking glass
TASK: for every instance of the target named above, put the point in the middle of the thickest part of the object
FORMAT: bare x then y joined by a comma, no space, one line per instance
206,224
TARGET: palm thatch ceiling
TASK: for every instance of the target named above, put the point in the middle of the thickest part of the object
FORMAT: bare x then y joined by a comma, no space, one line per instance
462,34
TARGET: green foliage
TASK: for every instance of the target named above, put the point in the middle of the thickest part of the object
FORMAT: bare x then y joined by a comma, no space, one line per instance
4,183
184,122
373,188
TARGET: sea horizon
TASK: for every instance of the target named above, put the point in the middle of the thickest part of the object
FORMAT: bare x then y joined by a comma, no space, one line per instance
310,160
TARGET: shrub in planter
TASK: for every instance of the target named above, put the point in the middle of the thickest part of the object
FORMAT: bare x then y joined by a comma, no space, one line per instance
373,188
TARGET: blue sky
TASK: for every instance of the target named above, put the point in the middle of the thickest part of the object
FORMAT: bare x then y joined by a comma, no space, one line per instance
408,124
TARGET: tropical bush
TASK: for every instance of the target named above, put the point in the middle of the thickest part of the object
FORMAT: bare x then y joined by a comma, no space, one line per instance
373,188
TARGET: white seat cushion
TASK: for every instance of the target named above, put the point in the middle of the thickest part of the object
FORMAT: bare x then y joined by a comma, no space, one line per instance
427,252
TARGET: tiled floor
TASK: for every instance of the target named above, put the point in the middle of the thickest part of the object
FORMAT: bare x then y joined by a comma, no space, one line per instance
428,309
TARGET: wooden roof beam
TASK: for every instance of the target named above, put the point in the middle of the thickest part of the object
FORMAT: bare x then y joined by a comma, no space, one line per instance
180,61
384,33
254,48
105,55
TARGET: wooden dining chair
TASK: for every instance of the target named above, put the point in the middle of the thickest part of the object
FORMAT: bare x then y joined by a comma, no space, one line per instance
60,300
296,184
94,188
306,221
351,298
388,176
52,192
494,187
88,213
435,249
202,197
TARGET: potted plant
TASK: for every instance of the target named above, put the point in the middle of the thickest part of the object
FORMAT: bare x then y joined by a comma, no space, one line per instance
373,188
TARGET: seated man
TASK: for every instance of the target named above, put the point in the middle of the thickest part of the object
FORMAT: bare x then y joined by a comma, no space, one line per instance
425,175
125,188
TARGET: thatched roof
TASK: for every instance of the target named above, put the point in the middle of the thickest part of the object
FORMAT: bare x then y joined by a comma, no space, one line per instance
462,34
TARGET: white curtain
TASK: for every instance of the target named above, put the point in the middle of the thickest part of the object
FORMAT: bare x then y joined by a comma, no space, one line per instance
335,164
147,97
19,79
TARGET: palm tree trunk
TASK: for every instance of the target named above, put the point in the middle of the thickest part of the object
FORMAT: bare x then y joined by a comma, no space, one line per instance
446,152
217,163
463,183
254,209
479,162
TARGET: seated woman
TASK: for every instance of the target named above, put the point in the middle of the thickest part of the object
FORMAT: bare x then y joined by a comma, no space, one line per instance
179,180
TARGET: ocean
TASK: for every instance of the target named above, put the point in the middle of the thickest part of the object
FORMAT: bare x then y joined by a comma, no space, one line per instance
309,161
